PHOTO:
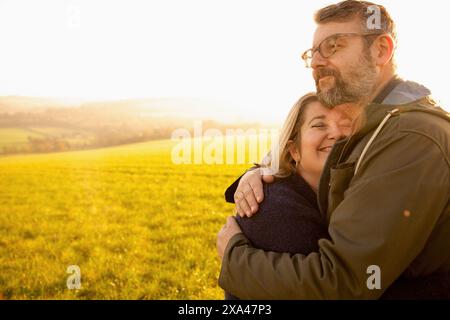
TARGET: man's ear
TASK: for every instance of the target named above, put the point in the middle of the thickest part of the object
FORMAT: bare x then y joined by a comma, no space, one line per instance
383,49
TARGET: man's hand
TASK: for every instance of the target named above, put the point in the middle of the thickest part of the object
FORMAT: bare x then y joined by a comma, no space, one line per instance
225,234
249,192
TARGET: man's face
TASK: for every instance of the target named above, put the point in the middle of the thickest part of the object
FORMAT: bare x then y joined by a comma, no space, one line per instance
349,75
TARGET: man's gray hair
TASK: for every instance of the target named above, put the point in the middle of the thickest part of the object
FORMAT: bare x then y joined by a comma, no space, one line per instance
347,10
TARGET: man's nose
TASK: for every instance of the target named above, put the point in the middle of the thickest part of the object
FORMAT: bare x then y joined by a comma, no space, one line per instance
336,132
317,60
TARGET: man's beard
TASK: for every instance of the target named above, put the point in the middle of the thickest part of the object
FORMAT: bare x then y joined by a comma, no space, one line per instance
352,87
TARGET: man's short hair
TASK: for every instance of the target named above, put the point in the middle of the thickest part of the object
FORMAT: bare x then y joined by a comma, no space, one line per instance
347,10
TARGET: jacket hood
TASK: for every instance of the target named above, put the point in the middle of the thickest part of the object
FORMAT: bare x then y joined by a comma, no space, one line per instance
406,96
406,92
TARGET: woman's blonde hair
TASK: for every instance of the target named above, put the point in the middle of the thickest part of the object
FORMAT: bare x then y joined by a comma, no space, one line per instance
283,164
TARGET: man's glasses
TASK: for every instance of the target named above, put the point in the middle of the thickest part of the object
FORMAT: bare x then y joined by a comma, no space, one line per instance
330,45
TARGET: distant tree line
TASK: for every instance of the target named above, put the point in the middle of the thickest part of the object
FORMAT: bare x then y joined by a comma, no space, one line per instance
84,128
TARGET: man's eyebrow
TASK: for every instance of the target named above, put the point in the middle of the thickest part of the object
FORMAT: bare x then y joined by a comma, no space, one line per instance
327,37
318,117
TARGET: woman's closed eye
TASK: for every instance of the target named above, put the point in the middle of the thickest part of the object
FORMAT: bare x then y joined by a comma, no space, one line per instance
319,125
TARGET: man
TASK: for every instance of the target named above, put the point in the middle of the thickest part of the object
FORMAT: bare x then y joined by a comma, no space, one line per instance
385,190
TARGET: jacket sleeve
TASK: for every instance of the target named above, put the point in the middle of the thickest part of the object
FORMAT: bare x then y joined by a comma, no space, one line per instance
385,219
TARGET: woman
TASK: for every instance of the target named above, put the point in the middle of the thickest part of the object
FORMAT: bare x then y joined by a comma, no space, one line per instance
289,219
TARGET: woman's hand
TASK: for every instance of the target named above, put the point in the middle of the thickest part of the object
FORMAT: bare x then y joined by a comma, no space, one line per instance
225,234
249,192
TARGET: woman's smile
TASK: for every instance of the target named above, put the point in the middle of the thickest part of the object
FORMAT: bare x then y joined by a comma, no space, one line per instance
326,149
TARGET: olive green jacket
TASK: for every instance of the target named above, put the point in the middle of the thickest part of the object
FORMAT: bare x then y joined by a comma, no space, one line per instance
385,192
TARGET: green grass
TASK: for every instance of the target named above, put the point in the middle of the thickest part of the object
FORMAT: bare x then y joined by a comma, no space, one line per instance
138,226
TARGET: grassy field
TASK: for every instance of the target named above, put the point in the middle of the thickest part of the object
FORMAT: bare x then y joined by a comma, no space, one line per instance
138,226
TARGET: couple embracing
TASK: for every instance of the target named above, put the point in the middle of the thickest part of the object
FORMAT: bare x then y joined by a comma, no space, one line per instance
357,205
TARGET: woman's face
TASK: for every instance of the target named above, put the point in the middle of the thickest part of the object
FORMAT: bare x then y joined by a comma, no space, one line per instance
321,128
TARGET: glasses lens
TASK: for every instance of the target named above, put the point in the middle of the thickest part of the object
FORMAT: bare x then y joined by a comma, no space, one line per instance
328,47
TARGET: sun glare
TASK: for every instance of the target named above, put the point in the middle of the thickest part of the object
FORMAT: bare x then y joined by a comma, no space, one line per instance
245,52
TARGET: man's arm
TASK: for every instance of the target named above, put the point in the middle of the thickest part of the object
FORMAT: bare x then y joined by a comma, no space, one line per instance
247,191
369,227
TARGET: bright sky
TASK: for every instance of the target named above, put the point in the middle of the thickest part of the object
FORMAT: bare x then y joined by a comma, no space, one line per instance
241,51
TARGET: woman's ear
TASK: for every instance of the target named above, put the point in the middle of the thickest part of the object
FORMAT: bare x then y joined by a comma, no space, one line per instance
293,150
